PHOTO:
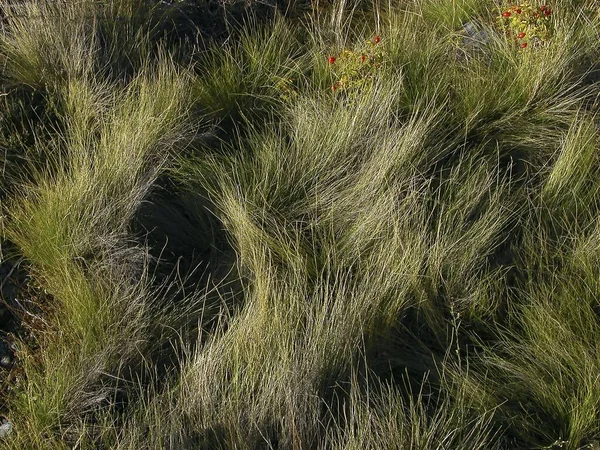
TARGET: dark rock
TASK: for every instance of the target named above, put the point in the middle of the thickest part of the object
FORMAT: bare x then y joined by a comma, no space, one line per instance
474,41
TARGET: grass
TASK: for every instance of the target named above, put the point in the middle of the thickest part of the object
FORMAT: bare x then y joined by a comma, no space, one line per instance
225,252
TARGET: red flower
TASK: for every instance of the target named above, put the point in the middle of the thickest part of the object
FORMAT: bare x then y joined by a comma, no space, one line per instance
506,14
521,35
362,58
331,59
543,8
548,12
524,44
518,11
377,39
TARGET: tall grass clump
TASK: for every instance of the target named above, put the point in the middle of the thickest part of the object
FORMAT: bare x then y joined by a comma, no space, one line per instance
43,42
247,79
71,225
331,230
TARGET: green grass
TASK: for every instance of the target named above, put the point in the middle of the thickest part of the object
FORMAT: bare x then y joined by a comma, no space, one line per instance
224,252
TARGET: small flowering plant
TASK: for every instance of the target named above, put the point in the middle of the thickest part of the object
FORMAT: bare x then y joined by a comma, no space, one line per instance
351,70
526,24
285,87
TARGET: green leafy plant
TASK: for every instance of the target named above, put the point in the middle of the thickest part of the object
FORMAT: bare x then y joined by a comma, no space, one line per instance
527,24
352,70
